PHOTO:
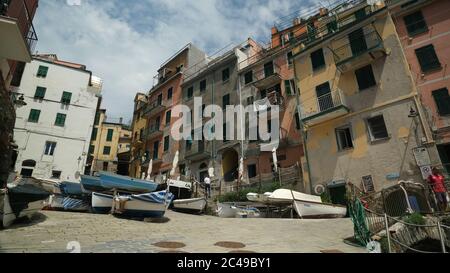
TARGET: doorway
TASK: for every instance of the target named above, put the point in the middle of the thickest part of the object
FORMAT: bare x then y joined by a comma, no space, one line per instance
230,165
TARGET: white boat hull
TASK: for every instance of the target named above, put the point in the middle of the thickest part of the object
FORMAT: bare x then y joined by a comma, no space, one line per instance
194,204
138,208
101,203
226,210
306,209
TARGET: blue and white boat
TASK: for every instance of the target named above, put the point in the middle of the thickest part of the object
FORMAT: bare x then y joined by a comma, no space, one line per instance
91,183
112,181
102,203
148,205
70,188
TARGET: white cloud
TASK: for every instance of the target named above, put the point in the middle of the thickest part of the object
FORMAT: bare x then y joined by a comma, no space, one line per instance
124,42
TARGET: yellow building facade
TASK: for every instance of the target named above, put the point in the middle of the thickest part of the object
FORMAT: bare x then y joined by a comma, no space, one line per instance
138,127
358,104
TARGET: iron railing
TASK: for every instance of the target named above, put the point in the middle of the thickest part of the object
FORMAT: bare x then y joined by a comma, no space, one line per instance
265,72
357,46
152,131
19,11
155,108
322,104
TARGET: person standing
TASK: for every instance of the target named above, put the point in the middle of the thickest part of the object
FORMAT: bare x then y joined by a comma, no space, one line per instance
207,182
436,180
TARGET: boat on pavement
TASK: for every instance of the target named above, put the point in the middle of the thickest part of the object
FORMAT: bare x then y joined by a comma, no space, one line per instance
102,203
148,205
112,181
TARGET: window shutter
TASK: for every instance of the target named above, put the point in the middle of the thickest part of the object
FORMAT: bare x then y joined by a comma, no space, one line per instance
66,97
287,87
442,99
427,57
40,92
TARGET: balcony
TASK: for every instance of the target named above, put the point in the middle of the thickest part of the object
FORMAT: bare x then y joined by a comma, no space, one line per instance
153,131
154,108
198,150
16,24
357,49
267,76
326,107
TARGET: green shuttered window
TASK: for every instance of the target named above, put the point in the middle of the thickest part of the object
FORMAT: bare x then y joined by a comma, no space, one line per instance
60,119
428,59
442,99
40,92
66,97
110,134
34,115
42,71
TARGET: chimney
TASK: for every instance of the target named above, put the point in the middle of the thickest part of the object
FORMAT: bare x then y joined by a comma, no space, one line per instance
323,11
274,30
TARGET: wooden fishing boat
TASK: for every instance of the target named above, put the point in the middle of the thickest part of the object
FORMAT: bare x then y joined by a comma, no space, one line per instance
148,205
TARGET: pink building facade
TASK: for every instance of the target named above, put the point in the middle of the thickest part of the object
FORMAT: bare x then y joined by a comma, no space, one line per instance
423,27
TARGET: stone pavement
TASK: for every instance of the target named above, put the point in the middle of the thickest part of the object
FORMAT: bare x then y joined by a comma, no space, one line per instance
52,231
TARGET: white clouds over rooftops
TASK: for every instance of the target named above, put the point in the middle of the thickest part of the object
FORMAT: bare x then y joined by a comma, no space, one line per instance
124,42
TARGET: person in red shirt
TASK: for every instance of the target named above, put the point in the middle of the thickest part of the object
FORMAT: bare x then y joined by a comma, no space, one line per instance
436,180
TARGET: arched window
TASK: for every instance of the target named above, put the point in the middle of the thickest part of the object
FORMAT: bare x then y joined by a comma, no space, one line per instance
29,163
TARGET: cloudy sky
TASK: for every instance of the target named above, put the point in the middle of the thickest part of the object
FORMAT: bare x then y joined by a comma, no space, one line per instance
125,41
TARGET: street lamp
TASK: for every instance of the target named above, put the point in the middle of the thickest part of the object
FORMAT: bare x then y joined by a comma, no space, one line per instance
20,101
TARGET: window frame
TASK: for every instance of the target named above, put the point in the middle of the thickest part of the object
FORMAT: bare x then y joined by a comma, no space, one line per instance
338,140
429,66
42,71
109,135
414,32
66,97
317,60
170,93
59,117
106,148
49,148
33,113
190,92
439,101
39,90
226,75
168,117
166,143
372,137
203,84
367,80
248,75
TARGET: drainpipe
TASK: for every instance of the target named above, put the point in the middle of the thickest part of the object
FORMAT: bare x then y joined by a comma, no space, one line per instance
303,131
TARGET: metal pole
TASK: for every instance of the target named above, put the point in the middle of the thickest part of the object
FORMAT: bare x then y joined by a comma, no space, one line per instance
387,233
441,238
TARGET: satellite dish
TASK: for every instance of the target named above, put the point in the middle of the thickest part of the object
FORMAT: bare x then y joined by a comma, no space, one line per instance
77,175
319,189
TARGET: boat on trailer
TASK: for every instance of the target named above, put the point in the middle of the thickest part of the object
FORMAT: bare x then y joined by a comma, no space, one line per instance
148,205
111,181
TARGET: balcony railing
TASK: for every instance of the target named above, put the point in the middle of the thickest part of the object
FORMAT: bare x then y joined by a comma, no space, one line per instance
325,104
19,11
153,131
266,76
357,46
155,108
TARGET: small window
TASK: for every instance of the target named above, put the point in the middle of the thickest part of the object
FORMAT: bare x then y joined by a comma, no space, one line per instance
250,100
344,138
332,26
225,101
442,99
155,150
94,134
190,92
97,118
317,59
91,149
377,128
289,87
290,58
42,71
60,120
203,86
365,77
109,135
225,75
34,115
168,117
170,93
297,121
428,59
415,23
50,148
40,93
56,174
166,143
66,97
106,150
251,169
160,99
248,77
268,69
